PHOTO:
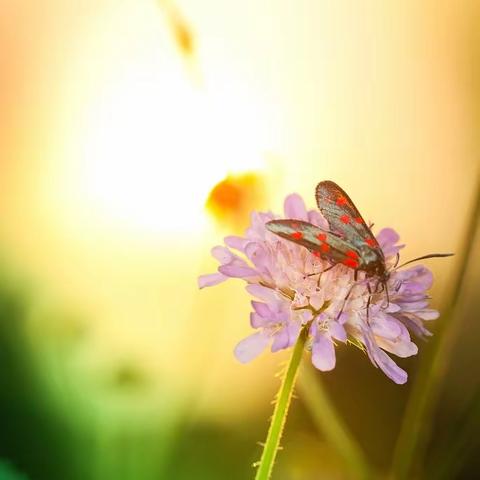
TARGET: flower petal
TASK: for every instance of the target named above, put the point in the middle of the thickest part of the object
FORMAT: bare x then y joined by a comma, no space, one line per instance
210,279
237,271
379,358
262,309
223,254
427,314
315,217
294,207
257,321
385,326
337,331
280,340
323,353
415,325
390,368
238,243
263,293
387,238
258,256
250,347
401,348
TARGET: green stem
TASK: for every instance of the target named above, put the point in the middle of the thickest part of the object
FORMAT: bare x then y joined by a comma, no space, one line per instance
279,417
328,421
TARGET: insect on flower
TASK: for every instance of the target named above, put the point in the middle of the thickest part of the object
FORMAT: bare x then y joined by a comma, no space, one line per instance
330,274
349,240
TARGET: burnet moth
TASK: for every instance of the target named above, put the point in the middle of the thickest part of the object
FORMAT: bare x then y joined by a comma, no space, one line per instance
349,241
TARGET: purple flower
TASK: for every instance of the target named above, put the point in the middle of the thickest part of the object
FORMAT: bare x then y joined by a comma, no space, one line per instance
290,291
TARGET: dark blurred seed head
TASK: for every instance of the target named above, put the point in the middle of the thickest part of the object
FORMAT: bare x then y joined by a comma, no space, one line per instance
128,377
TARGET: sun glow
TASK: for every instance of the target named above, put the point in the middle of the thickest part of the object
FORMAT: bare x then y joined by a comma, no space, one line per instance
155,140
154,150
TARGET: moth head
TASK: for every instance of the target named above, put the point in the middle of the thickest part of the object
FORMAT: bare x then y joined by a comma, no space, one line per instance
377,269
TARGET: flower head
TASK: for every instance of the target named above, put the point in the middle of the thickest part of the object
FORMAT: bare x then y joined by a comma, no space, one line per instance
293,288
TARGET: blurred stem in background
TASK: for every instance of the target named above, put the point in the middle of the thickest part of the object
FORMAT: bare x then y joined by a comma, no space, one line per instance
460,441
416,423
327,420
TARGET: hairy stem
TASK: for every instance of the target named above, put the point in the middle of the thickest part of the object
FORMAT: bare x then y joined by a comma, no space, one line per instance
280,412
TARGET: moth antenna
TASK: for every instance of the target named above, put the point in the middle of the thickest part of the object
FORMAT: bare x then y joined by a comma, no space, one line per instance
431,255
397,260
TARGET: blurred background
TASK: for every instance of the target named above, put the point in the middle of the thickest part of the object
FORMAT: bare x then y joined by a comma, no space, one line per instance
135,135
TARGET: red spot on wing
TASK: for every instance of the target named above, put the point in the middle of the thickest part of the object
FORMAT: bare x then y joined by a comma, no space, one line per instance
316,253
350,262
325,247
352,254
322,237
341,200
296,235
345,219
371,242
358,219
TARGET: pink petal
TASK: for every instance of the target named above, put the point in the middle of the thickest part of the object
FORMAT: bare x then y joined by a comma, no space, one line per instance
280,340
422,275
295,207
258,255
222,254
401,348
257,321
317,219
263,293
210,279
385,326
337,331
416,326
317,300
390,368
238,243
237,271
427,314
379,358
387,237
250,347
323,353
262,309
392,308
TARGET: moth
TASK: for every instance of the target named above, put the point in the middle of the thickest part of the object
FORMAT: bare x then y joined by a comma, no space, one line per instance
349,240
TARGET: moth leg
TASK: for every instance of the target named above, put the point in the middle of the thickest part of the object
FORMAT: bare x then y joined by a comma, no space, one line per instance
368,302
345,300
319,273
385,288
388,295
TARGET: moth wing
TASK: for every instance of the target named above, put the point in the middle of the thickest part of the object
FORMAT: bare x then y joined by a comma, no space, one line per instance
343,217
323,243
